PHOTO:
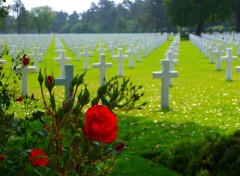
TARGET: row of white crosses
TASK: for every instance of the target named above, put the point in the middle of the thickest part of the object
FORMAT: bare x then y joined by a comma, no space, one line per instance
168,72
17,44
65,74
32,45
100,48
228,58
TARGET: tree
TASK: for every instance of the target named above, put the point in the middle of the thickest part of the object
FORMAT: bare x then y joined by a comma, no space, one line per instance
43,18
106,15
3,11
196,12
21,15
60,21
73,18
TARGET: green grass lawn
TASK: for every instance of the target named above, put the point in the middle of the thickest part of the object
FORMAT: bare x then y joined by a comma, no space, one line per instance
202,103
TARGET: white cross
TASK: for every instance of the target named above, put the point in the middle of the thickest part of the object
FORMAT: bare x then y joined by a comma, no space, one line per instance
66,79
62,61
131,55
101,50
211,54
229,59
14,53
166,74
86,54
24,71
111,48
3,62
138,51
238,47
120,57
58,51
218,52
36,57
102,67
170,56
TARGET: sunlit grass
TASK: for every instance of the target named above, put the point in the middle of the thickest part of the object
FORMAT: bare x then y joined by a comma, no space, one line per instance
202,103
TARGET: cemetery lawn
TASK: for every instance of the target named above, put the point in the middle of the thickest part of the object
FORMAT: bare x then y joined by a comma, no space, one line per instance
202,103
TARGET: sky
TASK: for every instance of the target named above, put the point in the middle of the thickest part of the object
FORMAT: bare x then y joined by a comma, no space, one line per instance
57,5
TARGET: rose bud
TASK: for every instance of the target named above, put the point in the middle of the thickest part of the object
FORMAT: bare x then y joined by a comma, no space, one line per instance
77,167
2,157
19,99
49,82
47,128
120,147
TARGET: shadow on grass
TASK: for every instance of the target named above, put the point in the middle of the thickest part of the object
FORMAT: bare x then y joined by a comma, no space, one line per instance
149,138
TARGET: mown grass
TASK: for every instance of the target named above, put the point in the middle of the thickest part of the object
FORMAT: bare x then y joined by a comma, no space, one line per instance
202,103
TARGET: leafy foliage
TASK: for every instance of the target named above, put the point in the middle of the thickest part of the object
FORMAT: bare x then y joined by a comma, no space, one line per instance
212,156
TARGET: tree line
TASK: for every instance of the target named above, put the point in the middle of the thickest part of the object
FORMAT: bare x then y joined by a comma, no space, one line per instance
102,17
126,17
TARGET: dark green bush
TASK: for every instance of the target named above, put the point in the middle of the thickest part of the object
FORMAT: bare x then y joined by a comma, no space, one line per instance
212,156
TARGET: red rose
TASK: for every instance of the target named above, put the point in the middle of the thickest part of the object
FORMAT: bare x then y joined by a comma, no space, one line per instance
19,99
39,158
100,124
25,60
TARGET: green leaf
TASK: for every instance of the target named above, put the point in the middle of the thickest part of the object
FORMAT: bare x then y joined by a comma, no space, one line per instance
102,90
94,101
42,171
80,79
104,101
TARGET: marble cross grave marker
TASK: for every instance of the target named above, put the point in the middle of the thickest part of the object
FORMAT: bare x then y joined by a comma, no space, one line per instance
172,61
86,54
131,55
62,60
120,57
101,49
138,50
229,59
166,74
218,52
66,79
14,53
25,70
102,67
36,57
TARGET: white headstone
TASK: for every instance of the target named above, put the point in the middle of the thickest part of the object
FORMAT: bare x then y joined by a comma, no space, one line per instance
218,52
86,54
62,60
101,49
102,67
2,61
24,71
138,50
131,55
120,57
36,57
229,59
14,53
166,76
66,79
